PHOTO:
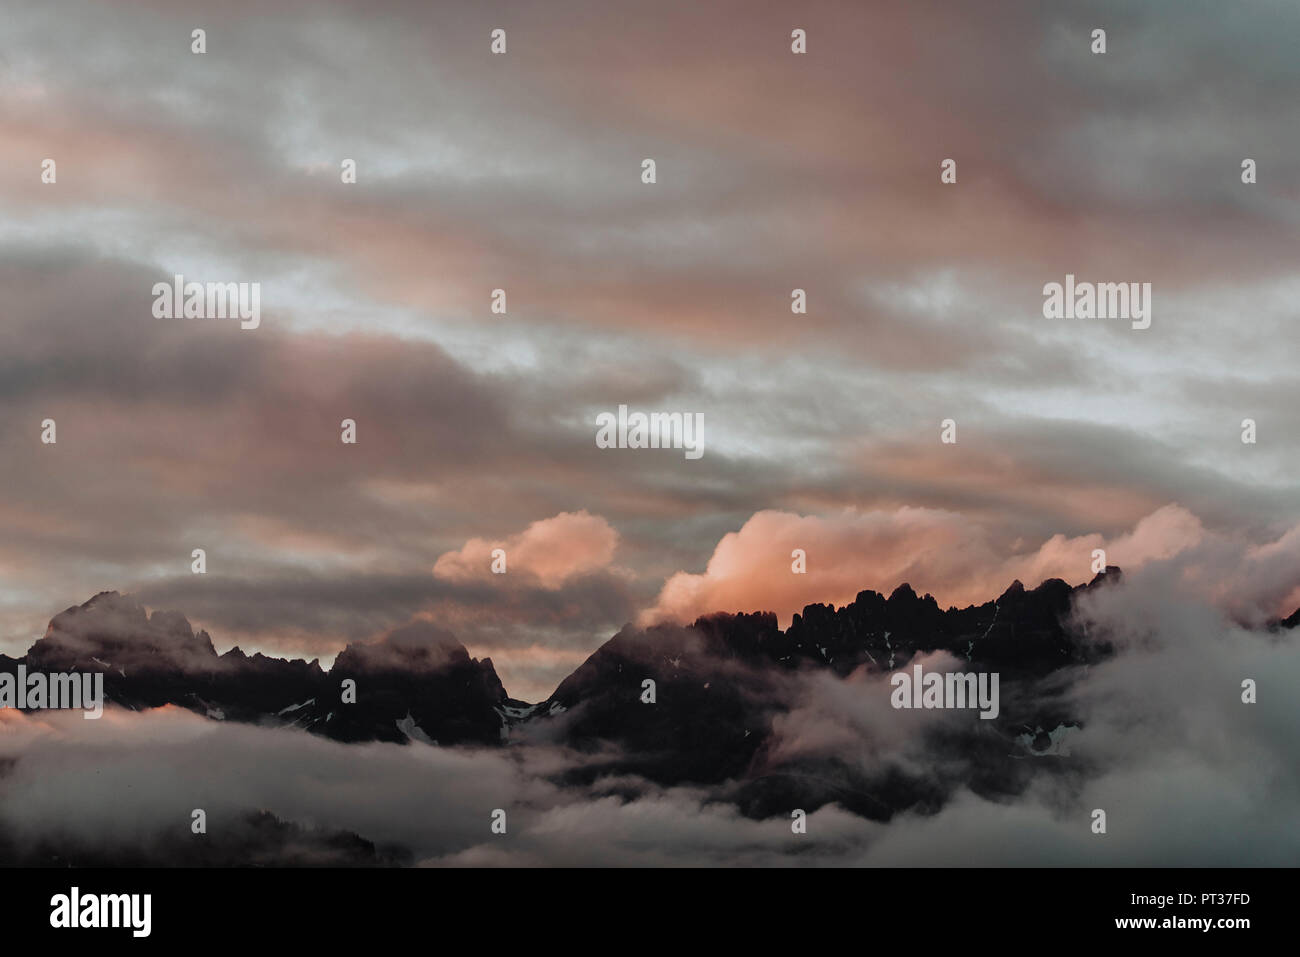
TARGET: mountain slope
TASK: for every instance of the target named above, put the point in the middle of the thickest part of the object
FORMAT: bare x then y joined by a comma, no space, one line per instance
730,700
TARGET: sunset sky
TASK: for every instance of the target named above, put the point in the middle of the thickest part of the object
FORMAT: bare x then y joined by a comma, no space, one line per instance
522,171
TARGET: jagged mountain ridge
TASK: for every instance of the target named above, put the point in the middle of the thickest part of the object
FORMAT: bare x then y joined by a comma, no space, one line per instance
724,686
417,672
419,683
719,682
723,681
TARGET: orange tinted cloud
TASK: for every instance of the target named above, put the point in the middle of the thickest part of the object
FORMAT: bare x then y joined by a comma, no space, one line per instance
944,553
551,551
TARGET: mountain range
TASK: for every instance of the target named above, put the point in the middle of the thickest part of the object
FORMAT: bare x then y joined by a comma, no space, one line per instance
720,686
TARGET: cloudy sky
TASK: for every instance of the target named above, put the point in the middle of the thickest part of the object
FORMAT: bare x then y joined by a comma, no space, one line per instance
522,171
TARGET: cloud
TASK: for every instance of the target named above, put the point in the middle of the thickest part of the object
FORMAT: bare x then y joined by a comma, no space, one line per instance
520,171
953,558
1188,774
551,551
141,774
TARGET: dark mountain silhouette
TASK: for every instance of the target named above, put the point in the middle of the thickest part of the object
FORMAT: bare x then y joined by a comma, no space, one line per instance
413,677
721,682
720,686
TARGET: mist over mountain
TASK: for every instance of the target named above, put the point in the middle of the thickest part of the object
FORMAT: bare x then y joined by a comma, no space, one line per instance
418,682
740,713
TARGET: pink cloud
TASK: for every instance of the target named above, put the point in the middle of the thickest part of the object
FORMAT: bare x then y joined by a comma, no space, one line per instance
551,551
944,553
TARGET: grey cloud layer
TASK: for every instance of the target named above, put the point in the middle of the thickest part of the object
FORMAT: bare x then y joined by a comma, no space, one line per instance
521,171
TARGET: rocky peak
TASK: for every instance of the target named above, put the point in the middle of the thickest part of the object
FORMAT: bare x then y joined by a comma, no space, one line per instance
118,631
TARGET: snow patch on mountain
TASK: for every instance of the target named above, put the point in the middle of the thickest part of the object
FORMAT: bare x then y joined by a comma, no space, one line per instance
413,731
